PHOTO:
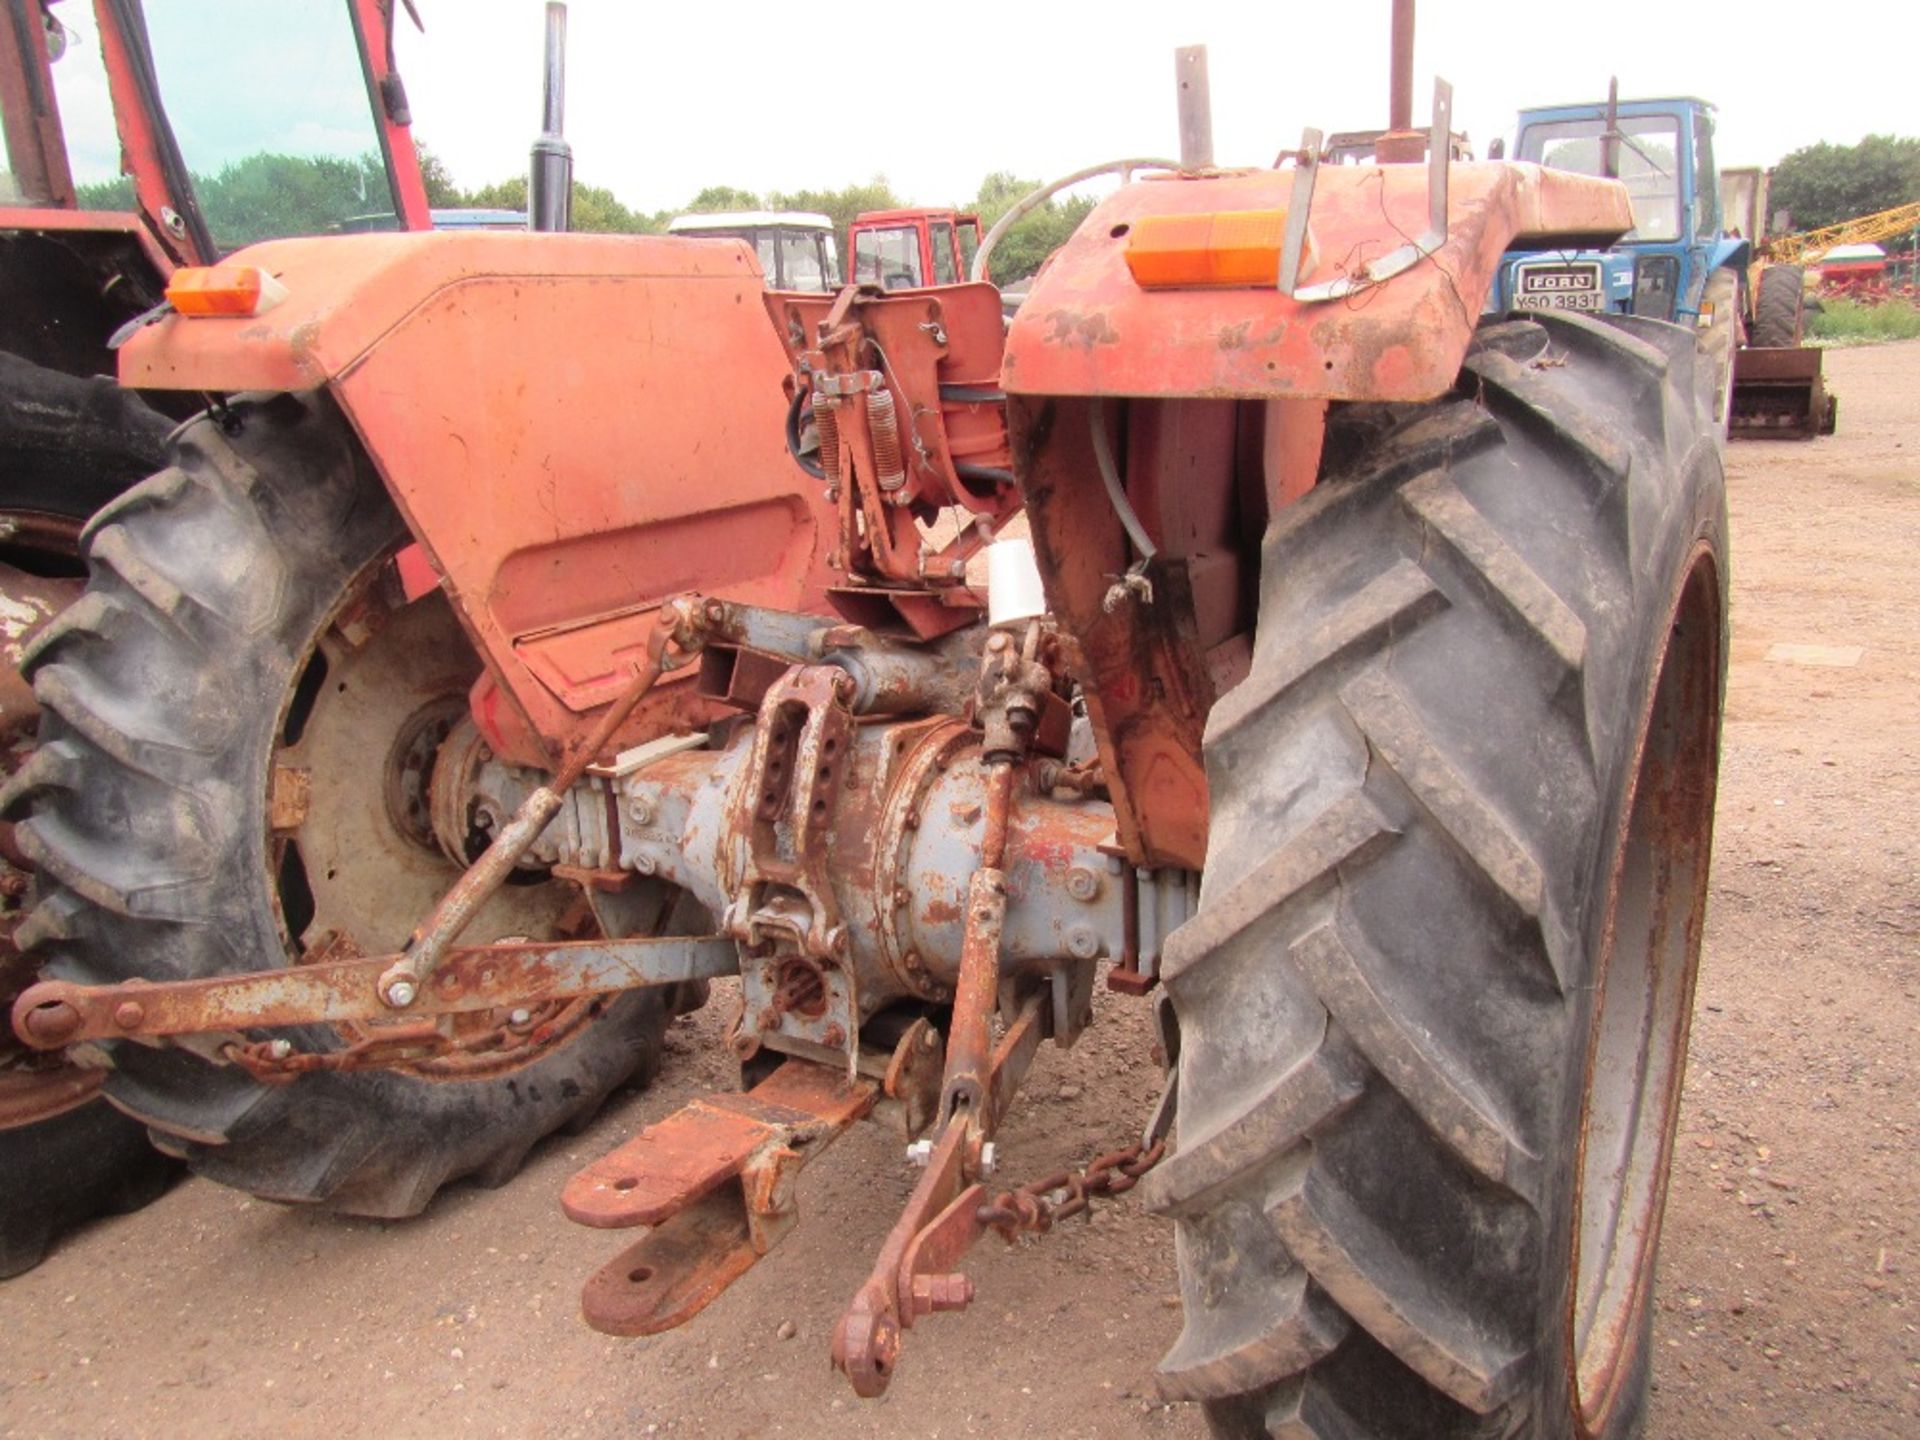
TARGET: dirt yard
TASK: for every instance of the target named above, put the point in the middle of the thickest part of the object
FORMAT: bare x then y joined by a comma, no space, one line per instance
1786,1299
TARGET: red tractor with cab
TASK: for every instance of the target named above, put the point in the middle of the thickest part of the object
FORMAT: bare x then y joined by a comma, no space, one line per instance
912,248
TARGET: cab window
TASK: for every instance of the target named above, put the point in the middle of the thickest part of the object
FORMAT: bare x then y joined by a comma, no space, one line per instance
943,273
1645,157
969,247
800,267
85,110
888,258
279,135
1706,182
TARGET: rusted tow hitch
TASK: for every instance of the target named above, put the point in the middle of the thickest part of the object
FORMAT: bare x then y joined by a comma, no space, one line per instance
715,1180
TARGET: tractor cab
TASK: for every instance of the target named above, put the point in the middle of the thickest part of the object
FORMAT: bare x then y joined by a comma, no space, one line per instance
122,107
1662,151
910,249
795,247
142,135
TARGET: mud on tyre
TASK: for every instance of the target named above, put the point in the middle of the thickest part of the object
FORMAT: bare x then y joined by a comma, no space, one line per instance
239,624
1432,1011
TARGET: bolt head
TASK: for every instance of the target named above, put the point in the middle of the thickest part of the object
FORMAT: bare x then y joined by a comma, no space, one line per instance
128,1014
1082,883
519,1017
279,1049
401,993
932,1294
1083,943
919,1153
987,1158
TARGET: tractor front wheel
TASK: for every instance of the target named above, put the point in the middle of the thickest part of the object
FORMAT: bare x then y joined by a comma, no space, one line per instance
240,715
1432,1012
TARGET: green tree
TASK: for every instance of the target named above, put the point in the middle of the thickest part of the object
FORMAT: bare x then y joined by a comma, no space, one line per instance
842,205
594,207
508,194
442,193
1826,184
267,195
724,197
114,194
1025,247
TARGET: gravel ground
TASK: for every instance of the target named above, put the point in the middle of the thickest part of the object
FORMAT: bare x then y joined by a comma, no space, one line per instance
1786,1294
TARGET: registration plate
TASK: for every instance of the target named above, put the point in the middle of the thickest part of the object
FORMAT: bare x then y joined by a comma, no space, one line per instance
1560,287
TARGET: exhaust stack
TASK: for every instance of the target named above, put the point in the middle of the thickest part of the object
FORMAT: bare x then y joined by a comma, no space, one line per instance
550,182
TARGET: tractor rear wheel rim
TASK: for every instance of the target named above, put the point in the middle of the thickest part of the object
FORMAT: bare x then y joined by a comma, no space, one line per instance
1645,976
355,862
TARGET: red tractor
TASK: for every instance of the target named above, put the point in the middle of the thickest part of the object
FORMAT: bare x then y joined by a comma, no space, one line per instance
439,720
102,198
909,249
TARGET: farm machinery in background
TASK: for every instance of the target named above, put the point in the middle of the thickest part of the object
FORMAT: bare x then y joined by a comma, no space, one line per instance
908,249
893,249
81,99
1846,258
796,249
1353,699
1688,259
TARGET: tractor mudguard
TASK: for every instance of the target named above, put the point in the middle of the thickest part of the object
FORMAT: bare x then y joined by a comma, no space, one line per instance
558,511
1729,251
1087,328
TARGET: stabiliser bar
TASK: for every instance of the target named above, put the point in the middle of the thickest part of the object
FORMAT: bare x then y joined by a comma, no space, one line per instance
481,977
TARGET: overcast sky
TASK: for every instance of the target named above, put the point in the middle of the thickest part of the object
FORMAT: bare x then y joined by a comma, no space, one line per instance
664,99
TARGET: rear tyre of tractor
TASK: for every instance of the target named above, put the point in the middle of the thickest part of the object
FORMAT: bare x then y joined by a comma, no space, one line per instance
1432,1013
70,1168
67,446
242,630
1780,307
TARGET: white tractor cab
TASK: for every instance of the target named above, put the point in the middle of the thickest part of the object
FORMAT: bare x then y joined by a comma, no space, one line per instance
796,247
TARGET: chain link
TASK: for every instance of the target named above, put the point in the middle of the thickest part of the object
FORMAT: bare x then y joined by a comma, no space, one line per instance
1034,1206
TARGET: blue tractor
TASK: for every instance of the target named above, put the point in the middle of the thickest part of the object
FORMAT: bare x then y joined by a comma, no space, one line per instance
1683,261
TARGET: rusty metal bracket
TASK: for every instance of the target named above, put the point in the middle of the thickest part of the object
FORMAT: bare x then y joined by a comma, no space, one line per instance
715,1180
480,977
1403,257
866,1342
799,752
914,1274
